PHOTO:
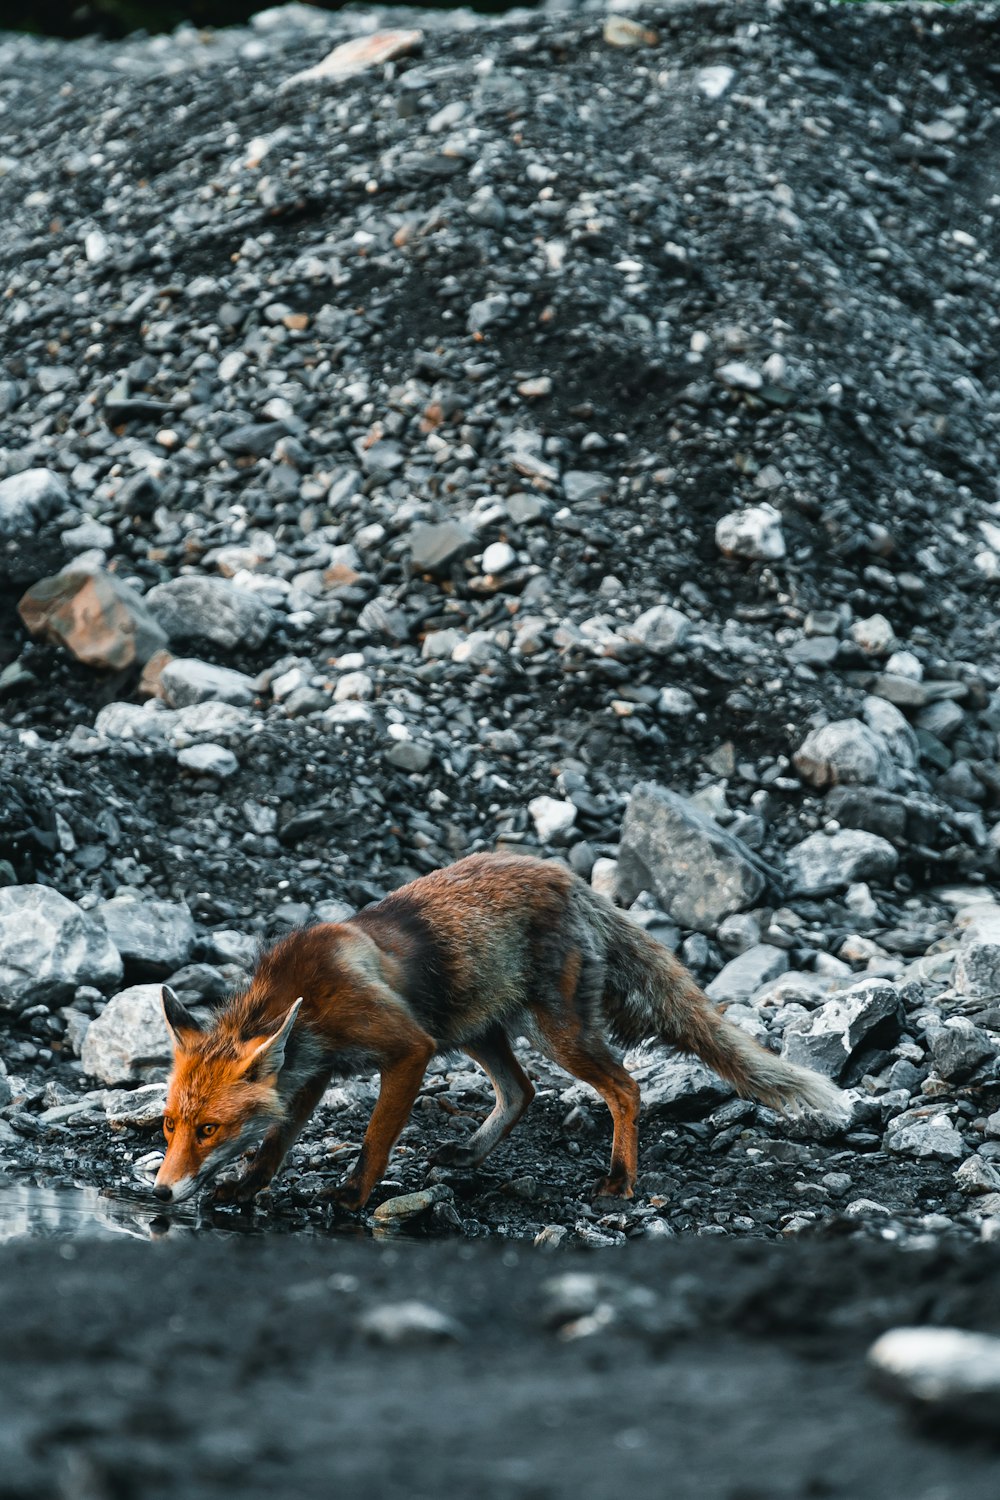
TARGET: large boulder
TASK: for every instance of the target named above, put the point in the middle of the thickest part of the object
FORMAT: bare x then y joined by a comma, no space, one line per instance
153,937
845,752
48,947
830,1037
698,872
210,609
128,1042
94,615
828,862
28,499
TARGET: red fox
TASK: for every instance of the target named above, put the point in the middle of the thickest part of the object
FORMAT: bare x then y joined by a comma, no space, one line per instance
467,958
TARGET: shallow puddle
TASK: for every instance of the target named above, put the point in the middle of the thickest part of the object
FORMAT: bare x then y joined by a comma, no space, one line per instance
29,1211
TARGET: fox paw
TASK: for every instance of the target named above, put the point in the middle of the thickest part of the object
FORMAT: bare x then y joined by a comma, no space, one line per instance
455,1154
613,1186
239,1192
345,1195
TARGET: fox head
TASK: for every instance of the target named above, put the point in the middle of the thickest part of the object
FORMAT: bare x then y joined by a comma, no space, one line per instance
221,1096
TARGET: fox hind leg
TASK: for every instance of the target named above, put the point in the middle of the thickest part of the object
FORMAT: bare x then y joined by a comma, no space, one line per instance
514,1091
588,1057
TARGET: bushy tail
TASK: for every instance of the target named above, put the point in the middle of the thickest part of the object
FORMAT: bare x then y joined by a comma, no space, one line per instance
651,996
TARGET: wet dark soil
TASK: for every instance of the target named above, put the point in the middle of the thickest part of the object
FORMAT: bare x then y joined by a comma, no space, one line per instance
202,1367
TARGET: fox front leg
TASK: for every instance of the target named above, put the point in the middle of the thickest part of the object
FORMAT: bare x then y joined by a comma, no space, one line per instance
258,1173
275,1146
400,1085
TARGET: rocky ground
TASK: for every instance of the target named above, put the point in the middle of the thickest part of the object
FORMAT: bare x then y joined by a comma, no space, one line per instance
569,435
529,441
565,432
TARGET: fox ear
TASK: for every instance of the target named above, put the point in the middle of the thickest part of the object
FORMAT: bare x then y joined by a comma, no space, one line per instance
178,1018
267,1058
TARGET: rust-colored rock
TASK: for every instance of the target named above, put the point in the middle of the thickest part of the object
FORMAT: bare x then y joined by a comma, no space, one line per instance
149,682
94,615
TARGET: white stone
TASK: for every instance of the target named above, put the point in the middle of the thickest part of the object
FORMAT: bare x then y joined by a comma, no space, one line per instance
357,55
885,719
754,534
208,760
861,902
715,80
875,636
185,680
551,817
603,879
345,714
28,498
208,721
96,247
905,664
498,557
660,629
353,687
675,702
740,376
945,1370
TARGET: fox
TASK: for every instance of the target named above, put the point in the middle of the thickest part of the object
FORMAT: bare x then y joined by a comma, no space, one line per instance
465,959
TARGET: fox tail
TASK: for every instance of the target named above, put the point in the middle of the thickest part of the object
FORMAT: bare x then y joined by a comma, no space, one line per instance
649,995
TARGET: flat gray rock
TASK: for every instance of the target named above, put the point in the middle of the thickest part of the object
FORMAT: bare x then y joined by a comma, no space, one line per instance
186,680
155,937
435,545
49,947
210,609
828,862
698,872
745,974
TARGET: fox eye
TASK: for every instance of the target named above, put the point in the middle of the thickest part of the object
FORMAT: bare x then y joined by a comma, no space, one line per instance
204,1131
168,1124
